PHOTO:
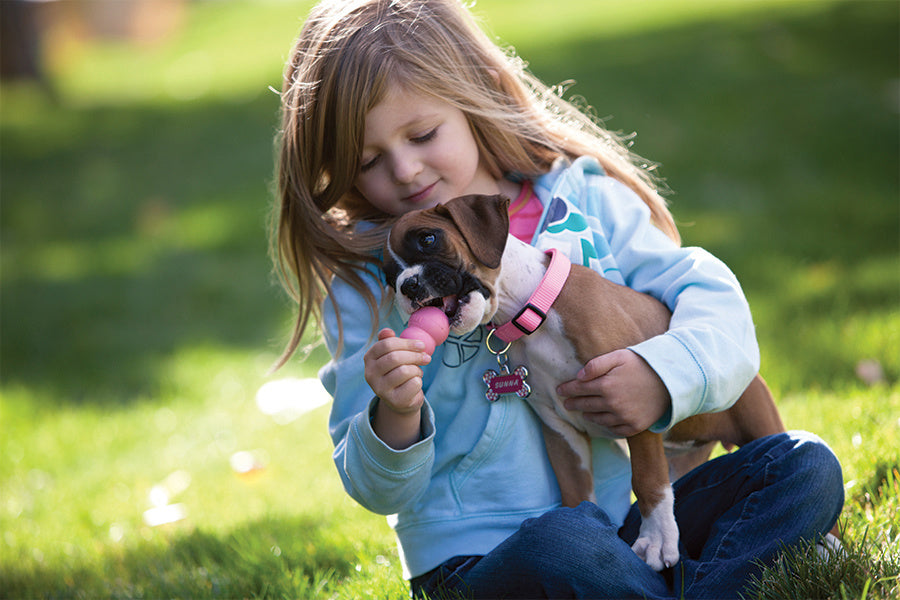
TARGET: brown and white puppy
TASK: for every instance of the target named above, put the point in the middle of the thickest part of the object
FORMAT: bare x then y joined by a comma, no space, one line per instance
458,256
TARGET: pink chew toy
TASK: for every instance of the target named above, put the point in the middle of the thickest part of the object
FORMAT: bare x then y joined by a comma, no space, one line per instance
430,325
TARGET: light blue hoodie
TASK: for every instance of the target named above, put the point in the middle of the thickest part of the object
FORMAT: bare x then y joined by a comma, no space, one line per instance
480,468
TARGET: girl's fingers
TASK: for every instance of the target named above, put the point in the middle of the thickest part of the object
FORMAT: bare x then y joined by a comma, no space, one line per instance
388,342
398,377
599,366
399,359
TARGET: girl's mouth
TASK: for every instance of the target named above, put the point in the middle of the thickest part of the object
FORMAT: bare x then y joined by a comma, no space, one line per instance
421,195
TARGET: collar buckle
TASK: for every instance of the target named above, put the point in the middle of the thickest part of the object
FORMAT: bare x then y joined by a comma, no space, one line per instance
529,323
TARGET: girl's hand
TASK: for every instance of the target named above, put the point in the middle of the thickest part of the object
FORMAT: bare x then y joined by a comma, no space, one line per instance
619,391
392,370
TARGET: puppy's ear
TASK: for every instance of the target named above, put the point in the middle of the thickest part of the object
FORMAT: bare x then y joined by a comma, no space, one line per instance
484,223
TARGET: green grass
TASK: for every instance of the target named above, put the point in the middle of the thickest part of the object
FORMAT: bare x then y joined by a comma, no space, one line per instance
138,314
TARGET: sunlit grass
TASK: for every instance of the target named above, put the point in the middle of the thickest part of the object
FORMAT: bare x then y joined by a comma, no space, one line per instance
534,25
218,55
828,316
77,488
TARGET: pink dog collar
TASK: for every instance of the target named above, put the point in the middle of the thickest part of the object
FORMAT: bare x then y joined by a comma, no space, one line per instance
532,316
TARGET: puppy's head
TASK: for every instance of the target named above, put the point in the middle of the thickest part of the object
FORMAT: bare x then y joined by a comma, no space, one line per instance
449,256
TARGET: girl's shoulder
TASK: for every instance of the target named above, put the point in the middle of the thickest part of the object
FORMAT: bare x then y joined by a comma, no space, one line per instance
566,175
584,184
582,181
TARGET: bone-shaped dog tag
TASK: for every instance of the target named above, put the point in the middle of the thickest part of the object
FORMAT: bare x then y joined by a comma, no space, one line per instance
504,382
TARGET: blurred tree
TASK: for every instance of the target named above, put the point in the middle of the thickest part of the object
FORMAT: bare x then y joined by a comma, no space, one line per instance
20,44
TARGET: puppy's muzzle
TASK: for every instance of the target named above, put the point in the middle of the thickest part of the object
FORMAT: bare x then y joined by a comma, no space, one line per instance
441,285
434,279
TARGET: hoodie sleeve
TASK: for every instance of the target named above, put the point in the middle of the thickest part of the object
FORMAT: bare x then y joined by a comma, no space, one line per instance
381,479
710,353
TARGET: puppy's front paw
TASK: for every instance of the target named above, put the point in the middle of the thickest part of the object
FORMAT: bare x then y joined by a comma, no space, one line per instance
657,543
659,553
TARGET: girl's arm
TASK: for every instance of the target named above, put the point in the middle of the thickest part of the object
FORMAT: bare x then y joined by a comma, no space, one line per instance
710,353
380,477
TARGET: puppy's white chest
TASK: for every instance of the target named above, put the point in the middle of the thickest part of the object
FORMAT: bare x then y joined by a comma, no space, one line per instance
551,360
549,355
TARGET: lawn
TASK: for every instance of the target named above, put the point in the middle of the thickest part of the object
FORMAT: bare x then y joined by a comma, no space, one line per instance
139,315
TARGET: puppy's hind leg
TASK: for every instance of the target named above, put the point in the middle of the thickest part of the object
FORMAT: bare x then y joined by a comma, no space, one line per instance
657,542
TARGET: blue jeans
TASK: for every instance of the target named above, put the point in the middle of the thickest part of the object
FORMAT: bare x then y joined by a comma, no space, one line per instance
733,513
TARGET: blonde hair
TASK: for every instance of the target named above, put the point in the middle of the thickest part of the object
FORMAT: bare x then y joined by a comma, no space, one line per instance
347,55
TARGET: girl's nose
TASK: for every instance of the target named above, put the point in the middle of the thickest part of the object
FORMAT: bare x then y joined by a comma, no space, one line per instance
405,165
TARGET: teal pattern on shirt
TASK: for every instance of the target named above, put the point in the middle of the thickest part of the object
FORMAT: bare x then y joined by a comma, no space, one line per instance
569,230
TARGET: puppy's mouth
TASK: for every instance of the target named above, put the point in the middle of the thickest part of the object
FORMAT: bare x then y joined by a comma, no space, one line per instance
449,304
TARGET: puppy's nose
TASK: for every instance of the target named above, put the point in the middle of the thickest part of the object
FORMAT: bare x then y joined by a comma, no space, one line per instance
411,287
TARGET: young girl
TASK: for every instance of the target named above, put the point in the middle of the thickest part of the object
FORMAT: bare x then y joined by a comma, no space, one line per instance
395,105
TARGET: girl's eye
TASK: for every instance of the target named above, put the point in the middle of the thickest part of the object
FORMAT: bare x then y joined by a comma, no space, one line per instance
419,139
368,165
426,137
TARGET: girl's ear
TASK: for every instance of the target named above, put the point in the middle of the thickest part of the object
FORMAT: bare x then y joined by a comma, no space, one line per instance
484,224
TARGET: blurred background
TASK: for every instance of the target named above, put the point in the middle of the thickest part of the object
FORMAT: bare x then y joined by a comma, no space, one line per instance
139,314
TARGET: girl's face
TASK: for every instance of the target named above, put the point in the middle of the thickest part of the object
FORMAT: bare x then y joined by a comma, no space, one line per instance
418,152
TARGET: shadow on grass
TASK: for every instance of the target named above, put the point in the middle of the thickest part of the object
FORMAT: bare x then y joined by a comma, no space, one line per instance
132,231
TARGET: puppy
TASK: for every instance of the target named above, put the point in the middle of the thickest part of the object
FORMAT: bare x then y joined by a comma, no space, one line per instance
459,256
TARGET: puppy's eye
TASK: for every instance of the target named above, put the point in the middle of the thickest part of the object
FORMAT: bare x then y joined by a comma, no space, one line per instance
427,241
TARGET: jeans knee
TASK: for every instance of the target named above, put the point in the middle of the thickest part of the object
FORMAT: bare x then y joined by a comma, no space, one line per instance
815,453
565,536
565,523
565,553
821,466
